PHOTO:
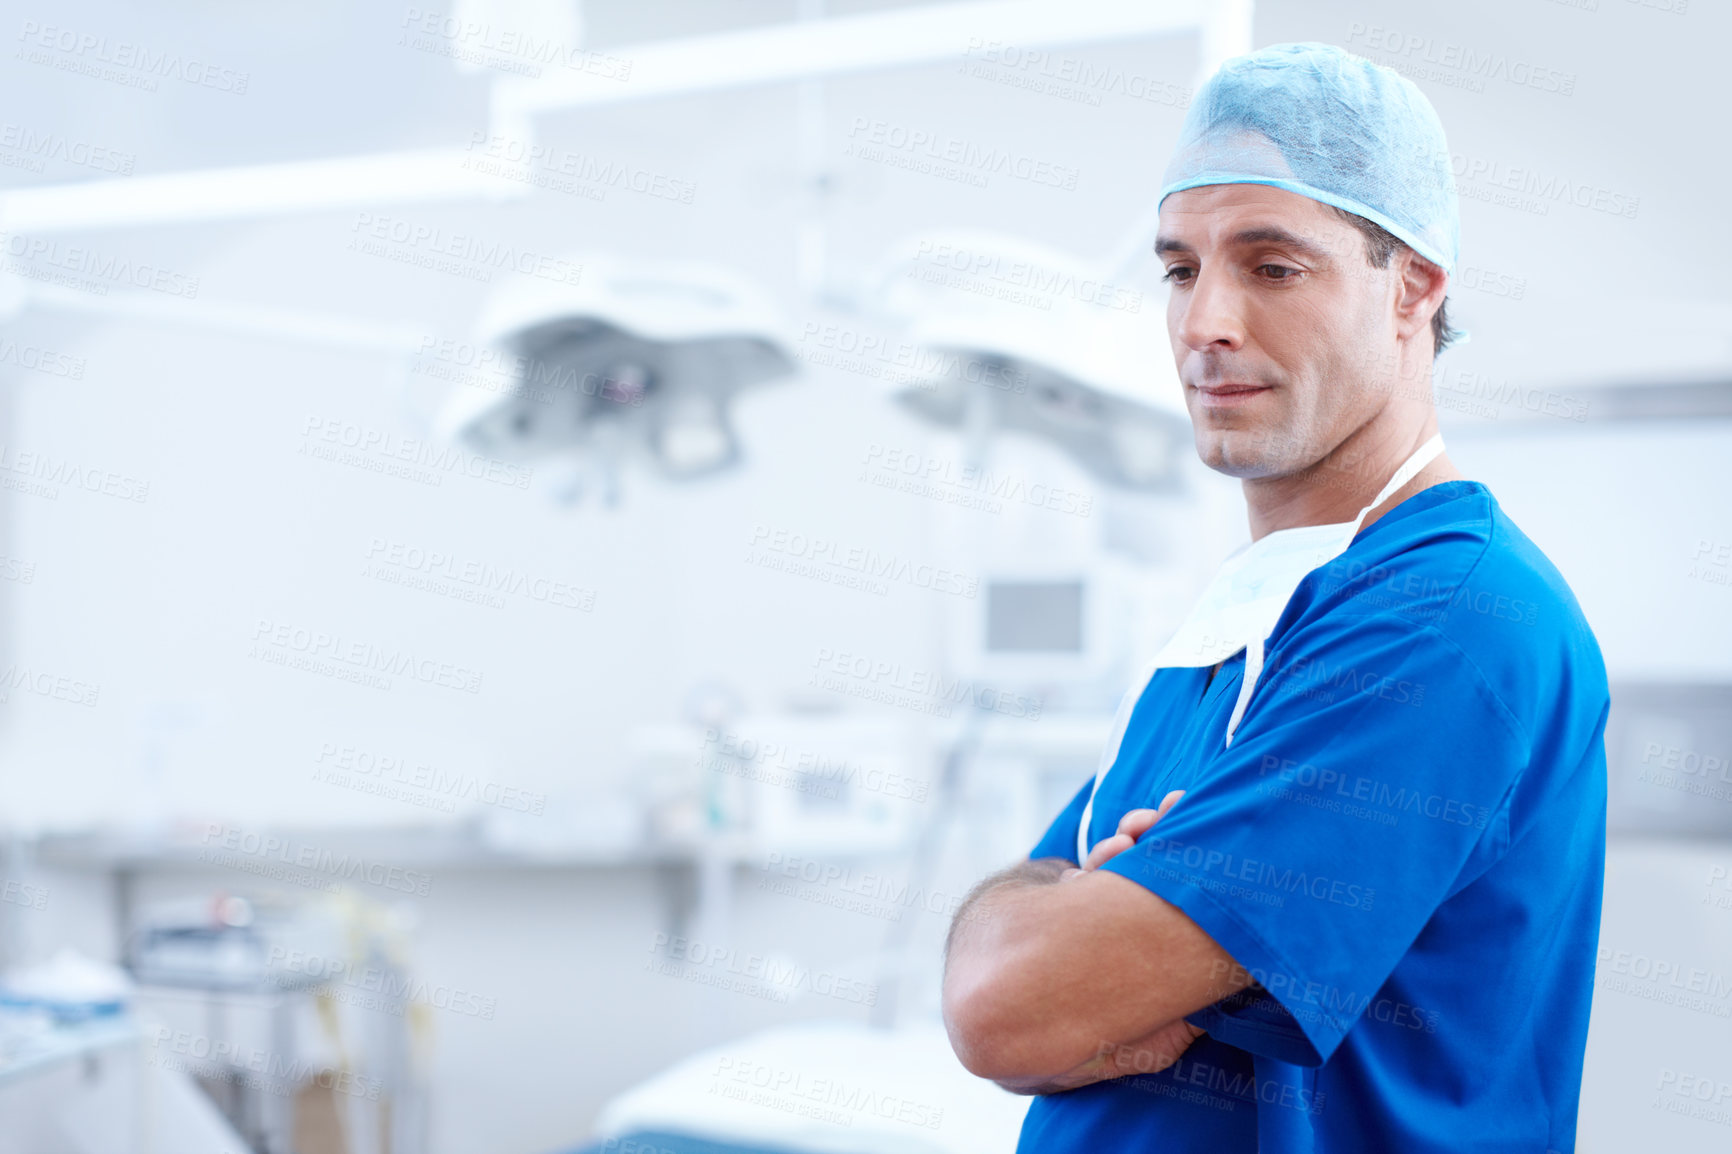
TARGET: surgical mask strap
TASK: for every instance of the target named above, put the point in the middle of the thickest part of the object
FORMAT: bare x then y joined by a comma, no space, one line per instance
1121,722
1253,667
1422,456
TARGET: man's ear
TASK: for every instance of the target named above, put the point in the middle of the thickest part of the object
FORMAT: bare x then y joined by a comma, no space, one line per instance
1420,289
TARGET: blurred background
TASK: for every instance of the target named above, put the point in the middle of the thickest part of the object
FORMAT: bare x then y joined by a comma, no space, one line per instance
545,544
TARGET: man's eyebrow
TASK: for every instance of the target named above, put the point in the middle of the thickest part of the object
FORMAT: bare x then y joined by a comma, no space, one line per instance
1264,234
1270,234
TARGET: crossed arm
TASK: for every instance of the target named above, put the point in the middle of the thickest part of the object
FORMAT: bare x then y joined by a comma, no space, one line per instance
1056,977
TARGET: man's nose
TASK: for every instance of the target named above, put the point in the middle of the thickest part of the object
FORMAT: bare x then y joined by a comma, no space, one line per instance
1210,314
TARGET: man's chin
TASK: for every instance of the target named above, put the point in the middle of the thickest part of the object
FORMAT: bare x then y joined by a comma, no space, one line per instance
1241,453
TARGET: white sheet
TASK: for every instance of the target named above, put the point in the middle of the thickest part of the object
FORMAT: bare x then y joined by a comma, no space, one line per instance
828,1088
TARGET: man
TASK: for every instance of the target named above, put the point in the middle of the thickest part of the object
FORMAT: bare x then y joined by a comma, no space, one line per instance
1338,886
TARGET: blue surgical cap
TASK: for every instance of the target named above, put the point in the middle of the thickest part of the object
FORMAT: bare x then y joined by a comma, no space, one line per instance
1324,123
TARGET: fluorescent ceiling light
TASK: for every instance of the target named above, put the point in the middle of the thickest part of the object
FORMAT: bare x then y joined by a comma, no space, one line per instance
905,36
290,325
781,52
258,190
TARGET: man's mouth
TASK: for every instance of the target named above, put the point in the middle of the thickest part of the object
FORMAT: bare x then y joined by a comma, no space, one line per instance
1229,393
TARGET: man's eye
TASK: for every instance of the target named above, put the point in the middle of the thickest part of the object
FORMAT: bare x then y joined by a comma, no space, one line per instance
1278,271
1178,274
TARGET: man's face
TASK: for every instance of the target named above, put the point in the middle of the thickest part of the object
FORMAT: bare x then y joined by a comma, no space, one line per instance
1277,322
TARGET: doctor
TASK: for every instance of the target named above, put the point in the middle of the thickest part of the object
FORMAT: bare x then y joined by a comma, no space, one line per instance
1336,886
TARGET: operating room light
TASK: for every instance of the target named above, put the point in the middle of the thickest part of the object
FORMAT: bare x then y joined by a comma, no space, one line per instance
1070,358
638,359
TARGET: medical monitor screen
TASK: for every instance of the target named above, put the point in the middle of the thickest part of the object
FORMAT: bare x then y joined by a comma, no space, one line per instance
1034,617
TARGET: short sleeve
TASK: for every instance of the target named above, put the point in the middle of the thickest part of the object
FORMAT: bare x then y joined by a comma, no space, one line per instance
1368,767
1257,1023
1060,837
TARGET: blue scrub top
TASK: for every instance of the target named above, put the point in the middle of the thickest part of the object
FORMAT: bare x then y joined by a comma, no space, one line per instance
1404,846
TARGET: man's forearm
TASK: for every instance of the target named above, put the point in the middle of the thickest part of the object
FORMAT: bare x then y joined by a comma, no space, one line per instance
993,928
977,908
1113,1058
1047,963
1148,1055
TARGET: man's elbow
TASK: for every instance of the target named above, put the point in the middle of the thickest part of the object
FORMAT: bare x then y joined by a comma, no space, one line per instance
998,1038
972,1035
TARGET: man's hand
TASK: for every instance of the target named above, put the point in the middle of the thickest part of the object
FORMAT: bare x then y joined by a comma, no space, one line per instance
1131,826
1147,1055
